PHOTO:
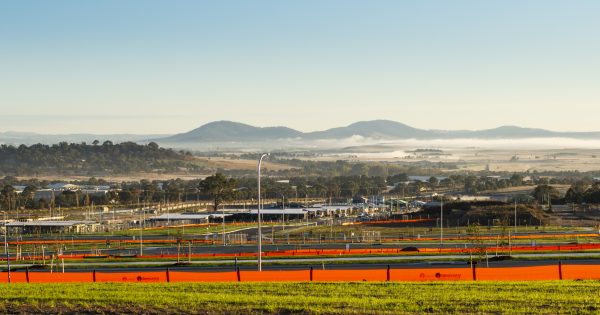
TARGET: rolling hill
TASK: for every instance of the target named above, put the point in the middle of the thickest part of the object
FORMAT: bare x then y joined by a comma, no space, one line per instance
227,131
232,131
219,133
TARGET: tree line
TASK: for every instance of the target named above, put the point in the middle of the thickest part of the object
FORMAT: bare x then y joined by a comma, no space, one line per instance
82,158
220,188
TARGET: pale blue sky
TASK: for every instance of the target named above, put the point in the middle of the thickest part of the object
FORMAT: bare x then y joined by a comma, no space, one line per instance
170,66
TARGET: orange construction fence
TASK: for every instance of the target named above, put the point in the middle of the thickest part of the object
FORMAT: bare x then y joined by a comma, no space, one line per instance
535,273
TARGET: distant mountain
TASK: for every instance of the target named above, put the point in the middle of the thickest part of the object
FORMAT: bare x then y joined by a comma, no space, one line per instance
371,129
221,134
227,131
232,131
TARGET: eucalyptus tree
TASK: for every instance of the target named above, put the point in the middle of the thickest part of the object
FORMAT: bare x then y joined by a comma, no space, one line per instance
219,188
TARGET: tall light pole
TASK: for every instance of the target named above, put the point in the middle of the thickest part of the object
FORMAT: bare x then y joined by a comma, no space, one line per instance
441,221
259,223
6,244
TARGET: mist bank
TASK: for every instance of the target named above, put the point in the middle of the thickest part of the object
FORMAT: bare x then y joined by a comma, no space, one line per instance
358,144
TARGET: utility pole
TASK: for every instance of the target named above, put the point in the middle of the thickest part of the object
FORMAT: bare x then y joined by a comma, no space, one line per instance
6,244
515,215
223,214
283,211
141,234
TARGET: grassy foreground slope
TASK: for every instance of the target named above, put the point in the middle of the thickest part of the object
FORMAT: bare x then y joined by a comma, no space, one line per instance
565,297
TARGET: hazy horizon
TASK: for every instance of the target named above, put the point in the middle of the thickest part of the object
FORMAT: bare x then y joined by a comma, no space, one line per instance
155,67
64,120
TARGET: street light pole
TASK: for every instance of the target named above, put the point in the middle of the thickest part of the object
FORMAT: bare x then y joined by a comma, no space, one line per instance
6,244
259,221
442,222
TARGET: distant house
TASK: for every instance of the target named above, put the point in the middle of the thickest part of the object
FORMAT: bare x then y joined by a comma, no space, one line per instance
63,187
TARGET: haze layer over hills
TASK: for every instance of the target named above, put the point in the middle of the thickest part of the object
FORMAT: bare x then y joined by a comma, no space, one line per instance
228,134
376,129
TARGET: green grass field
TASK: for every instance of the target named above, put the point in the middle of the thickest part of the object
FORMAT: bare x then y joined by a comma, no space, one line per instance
565,297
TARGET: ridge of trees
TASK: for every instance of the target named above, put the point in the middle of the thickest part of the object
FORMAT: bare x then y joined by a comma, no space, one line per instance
82,158
219,187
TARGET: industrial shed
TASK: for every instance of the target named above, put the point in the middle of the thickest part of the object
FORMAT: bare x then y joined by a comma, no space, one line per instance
33,227
185,218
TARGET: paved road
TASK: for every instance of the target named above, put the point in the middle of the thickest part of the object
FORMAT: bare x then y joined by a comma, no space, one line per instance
171,249
352,261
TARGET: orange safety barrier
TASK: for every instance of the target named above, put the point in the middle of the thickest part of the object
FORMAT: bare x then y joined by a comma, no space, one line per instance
535,273
14,277
444,274
519,273
349,275
275,276
131,276
188,276
46,277
583,272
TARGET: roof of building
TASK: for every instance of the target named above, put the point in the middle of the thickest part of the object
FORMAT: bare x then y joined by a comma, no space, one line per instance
50,223
330,207
187,216
279,211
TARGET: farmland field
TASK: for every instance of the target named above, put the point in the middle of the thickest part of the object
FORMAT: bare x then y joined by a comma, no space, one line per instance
565,297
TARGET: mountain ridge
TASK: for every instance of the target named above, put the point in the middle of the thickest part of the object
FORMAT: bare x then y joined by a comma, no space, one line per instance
229,131
225,131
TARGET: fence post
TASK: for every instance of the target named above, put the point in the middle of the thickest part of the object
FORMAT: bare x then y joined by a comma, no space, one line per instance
388,273
27,274
168,276
474,268
560,275
311,274
94,275
239,278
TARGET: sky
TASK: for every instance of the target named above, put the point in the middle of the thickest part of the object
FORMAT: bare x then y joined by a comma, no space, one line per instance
160,67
